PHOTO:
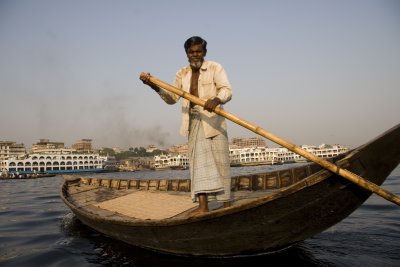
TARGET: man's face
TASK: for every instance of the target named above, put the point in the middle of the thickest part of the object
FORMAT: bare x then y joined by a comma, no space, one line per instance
196,55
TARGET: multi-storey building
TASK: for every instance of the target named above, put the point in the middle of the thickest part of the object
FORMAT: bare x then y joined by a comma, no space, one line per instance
83,145
11,149
249,142
178,149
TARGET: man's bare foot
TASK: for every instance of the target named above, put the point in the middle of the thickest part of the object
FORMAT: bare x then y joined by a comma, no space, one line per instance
197,212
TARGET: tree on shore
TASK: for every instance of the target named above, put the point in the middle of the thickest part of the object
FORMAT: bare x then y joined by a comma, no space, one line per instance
132,152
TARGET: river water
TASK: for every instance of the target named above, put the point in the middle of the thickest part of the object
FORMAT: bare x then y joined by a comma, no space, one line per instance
37,229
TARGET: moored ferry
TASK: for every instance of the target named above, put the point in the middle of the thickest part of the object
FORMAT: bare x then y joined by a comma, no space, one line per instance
167,161
322,151
250,156
54,163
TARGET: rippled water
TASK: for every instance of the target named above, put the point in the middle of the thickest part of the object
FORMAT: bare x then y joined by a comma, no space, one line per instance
37,229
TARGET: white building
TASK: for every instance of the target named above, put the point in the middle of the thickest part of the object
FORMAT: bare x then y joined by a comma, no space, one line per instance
11,149
54,163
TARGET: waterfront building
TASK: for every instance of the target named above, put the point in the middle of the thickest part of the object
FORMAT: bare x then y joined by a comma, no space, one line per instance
83,145
248,156
178,149
249,142
11,149
151,148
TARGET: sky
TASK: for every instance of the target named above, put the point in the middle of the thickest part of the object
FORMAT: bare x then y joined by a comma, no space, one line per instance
307,71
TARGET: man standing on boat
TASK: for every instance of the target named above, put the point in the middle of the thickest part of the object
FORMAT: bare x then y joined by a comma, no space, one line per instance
208,147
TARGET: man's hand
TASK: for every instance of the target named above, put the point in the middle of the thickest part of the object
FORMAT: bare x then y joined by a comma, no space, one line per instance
145,77
211,104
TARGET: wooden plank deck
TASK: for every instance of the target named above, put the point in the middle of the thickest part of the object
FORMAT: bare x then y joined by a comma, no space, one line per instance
145,204
158,205
149,205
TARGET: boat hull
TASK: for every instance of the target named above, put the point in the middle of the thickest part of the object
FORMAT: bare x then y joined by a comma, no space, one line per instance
268,223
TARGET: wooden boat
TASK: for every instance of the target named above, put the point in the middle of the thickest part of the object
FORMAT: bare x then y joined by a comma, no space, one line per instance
271,211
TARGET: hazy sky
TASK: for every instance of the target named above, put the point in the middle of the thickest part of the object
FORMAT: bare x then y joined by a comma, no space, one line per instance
311,72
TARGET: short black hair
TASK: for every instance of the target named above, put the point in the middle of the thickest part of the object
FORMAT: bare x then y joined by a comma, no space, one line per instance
194,40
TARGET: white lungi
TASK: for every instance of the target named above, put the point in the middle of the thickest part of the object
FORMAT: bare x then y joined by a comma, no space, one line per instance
209,163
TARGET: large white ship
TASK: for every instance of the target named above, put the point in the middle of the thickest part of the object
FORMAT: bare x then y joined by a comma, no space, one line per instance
323,151
54,163
254,156
168,161
263,155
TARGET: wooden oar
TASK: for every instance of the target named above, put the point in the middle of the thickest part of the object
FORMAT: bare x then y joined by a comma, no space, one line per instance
258,130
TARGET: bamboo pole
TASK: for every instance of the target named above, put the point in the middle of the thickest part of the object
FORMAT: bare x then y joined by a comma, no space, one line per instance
363,183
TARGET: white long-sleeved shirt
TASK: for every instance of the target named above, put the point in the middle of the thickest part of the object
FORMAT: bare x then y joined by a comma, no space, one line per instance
213,82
